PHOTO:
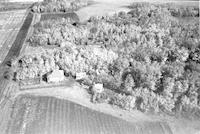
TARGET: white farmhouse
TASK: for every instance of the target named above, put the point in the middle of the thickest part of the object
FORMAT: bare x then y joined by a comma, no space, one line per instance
56,76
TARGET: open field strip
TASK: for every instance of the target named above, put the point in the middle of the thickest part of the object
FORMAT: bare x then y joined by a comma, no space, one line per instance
11,21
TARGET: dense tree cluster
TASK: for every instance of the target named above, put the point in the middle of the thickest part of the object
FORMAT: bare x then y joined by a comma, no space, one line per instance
71,59
58,5
147,56
184,11
174,9
55,33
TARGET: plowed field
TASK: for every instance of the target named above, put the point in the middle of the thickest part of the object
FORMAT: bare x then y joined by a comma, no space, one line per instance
48,115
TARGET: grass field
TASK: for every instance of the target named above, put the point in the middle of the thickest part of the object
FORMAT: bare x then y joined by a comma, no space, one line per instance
10,23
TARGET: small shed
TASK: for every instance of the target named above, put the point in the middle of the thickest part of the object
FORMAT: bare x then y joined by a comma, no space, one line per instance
56,76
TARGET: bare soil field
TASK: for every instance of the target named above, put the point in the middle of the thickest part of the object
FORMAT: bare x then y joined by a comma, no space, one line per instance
10,23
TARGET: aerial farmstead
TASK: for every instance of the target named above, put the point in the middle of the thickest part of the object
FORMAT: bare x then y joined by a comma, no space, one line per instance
136,64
